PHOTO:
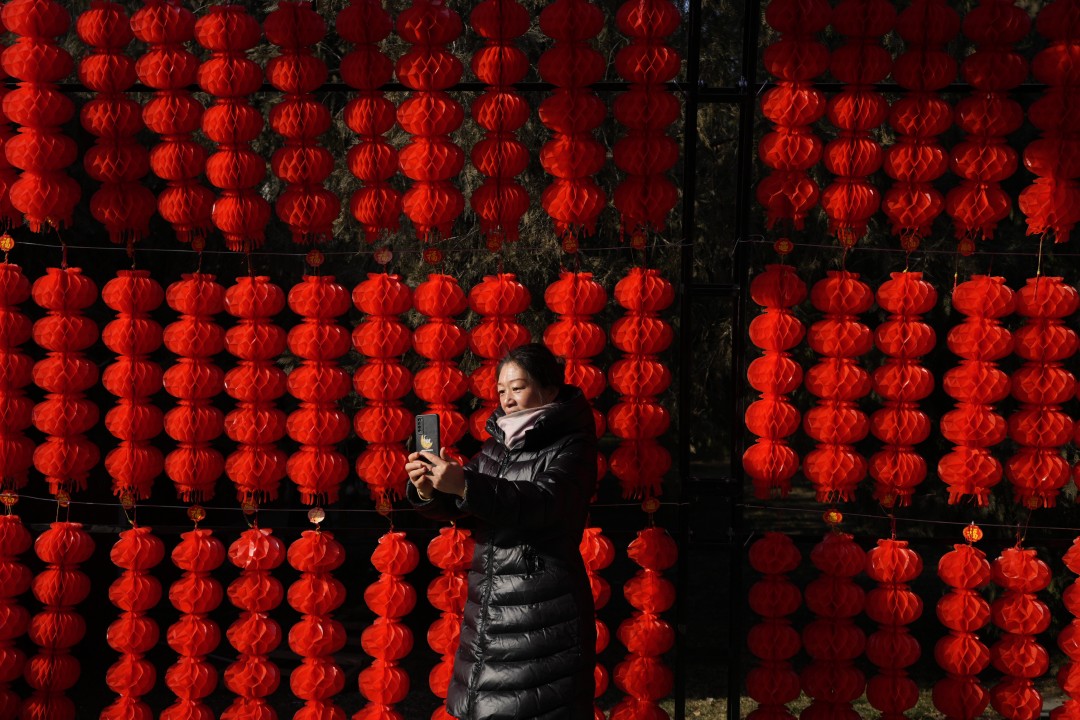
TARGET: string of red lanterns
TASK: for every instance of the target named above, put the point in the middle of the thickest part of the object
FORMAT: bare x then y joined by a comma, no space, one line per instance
893,606
451,551
598,552
1068,640
773,682
16,371
439,339
9,216
15,580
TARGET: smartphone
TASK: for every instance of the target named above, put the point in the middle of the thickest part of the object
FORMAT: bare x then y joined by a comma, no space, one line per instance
427,433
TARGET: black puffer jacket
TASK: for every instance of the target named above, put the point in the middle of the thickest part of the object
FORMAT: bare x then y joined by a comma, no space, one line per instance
528,636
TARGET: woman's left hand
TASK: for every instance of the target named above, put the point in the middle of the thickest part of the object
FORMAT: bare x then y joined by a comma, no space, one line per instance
446,475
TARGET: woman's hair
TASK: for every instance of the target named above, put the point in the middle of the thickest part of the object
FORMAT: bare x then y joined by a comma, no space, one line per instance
536,360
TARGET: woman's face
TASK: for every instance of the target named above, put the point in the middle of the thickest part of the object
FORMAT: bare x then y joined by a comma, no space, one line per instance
518,391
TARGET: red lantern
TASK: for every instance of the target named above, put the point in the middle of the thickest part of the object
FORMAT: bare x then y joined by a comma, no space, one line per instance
917,158
254,635
317,635
174,114
430,158
15,579
135,420
195,635
832,640
133,634
576,297
240,212
258,465
1051,202
384,422
384,683
791,149
770,462
598,552
642,675
638,419
1021,616
961,654
308,208
1042,384
58,627
892,604
850,200
319,384
572,113
16,410
1069,641
44,193
440,383
645,197
902,382
376,205
772,683
987,116
501,110
123,205
195,381
8,175
497,300
835,468
970,469
67,456
451,551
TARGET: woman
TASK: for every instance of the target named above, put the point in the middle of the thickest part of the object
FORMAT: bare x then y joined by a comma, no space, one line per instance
528,637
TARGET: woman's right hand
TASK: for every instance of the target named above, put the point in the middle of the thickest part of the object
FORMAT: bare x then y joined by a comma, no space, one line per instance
420,476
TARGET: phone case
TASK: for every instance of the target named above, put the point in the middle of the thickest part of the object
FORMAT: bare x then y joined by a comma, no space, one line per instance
427,433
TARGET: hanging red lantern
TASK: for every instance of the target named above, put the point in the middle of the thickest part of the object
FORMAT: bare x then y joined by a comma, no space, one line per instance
1042,384
133,634
893,605
835,468
240,212
1020,615
195,635
918,118
856,111
598,552
135,420
1068,640
987,116
501,110
970,468
430,158
15,580
575,297
376,205
305,205
573,156
792,106
772,682
384,422
451,551
57,628
832,640
638,419
194,466
1052,203
122,204
497,299
441,382
67,456
642,675
646,195
388,640
317,635
902,382
770,461
258,465
16,410
8,175
167,67
961,653
255,634
44,193
319,384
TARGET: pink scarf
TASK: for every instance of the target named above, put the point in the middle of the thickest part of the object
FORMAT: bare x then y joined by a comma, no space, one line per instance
515,425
